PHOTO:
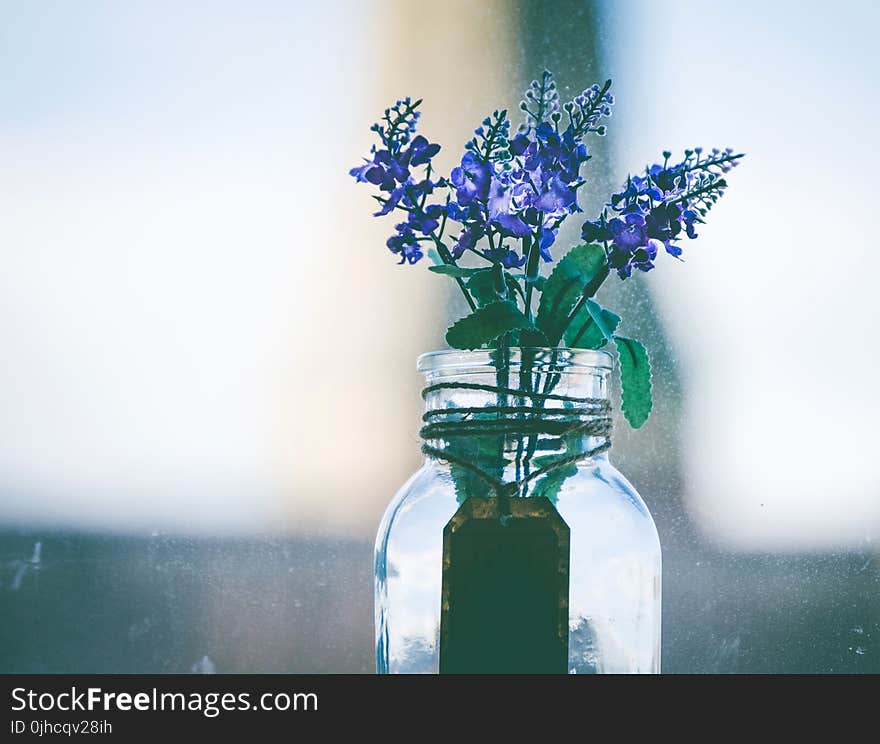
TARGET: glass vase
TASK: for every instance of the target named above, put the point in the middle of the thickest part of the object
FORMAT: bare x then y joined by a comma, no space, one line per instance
517,547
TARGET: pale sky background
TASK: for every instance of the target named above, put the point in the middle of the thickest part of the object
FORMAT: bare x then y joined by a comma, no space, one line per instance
201,326
202,332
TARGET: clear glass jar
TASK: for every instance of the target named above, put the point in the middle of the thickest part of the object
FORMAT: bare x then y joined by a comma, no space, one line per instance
614,565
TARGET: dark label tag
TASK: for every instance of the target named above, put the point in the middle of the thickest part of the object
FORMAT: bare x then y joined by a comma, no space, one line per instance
505,589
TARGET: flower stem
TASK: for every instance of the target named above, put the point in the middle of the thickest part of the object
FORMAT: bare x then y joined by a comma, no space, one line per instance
448,259
708,162
532,259
588,292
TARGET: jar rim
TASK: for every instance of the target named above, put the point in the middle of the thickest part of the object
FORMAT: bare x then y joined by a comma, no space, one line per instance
458,359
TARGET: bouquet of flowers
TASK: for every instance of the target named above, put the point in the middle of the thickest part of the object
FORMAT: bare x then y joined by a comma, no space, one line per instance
504,205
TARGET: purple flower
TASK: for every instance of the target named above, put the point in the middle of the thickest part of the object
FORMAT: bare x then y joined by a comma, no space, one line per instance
405,243
512,225
421,151
391,202
548,237
427,220
463,214
520,187
360,171
628,233
375,173
518,145
558,198
499,198
467,240
391,169
630,245
642,258
471,179
508,258
659,208
594,232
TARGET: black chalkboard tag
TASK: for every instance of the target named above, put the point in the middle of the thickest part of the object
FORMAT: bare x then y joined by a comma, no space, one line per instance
505,589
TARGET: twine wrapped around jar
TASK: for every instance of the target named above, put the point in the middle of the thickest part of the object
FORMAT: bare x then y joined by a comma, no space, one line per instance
446,423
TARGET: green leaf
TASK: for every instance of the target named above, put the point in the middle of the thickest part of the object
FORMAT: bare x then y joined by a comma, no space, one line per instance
591,327
460,272
533,259
635,380
482,451
486,324
579,273
531,337
538,282
485,285
499,280
481,285
549,485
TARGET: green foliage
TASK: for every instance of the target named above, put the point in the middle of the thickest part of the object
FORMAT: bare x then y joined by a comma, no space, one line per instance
486,324
591,327
566,315
549,485
459,272
530,338
635,380
578,275
490,285
482,451
538,282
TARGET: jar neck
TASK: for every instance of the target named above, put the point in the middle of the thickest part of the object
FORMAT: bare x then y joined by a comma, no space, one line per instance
515,418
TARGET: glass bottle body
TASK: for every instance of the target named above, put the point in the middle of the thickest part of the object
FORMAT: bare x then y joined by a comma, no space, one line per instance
614,569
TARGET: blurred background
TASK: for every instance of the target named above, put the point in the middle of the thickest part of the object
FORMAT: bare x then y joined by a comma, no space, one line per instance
208,390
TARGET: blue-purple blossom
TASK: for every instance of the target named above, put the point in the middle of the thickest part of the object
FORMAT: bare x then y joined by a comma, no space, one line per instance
509,196
541,102
659,208
519,189
528,190
405,243
508,258
630,245
471,179
586,110
391,170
